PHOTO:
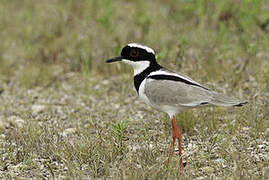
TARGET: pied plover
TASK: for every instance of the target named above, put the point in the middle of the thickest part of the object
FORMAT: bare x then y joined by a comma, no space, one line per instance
168,91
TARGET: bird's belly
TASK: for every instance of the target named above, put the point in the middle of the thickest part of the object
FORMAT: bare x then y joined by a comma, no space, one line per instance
171,110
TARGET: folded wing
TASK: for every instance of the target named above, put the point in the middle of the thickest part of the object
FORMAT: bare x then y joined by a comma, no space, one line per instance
176,90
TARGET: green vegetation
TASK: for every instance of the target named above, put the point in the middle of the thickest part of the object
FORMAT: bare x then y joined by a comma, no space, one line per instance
65,114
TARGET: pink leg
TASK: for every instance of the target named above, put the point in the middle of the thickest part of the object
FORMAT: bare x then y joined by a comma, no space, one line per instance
175,135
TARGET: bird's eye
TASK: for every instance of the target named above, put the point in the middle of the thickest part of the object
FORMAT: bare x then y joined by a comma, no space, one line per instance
134,53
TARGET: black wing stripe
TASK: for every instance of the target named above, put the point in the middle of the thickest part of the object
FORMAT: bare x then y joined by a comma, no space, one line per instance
174,78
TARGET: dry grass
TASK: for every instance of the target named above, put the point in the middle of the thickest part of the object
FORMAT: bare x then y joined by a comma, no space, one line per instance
65,114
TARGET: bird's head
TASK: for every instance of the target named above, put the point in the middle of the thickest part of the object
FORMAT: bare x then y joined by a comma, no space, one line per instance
138,56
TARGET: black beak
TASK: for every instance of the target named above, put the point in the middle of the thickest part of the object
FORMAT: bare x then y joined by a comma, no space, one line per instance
114,59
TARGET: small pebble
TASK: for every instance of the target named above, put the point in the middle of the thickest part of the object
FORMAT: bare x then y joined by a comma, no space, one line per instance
36,109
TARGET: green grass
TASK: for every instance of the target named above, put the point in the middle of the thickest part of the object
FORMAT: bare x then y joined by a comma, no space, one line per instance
90,122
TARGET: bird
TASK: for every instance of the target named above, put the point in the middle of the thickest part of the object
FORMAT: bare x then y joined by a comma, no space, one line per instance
168,91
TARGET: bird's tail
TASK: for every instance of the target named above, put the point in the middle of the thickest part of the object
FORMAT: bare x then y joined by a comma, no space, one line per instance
223,100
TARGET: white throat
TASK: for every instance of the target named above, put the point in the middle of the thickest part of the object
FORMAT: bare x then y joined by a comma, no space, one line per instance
138,66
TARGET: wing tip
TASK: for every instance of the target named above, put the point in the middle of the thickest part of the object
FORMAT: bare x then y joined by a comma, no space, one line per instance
241,104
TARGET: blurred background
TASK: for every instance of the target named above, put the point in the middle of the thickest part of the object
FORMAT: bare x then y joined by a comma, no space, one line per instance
43,40
65,113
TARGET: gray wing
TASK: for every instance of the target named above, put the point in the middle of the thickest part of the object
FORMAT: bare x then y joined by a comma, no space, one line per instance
176,93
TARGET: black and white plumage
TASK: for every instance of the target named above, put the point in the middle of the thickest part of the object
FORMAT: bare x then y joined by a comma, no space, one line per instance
165,90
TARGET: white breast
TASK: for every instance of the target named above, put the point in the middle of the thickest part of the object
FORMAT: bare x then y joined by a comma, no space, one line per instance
142,94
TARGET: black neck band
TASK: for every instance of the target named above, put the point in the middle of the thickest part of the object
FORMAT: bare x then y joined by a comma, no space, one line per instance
141,76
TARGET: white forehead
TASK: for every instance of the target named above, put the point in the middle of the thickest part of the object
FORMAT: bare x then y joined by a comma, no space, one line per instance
148,49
